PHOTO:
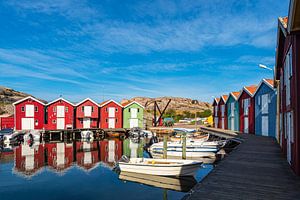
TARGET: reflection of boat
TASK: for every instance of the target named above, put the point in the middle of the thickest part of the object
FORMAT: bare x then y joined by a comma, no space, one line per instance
160,167
182,184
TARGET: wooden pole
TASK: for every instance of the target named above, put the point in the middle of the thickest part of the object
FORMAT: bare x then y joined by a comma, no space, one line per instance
165,147
184,146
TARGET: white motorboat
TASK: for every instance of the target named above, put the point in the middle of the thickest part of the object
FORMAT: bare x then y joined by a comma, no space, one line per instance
33,136
87,135
182,184
193,149
160,167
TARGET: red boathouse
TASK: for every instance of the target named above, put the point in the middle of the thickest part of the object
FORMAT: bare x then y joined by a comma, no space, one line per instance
29,114
60,115
287,75
222,112
216,112
111,114
247,109
87,114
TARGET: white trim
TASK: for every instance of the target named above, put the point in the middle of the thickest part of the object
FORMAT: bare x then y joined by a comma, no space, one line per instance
245,89
86,99
60,98
133,103
260,84
107,102
224,99
216,100
29,97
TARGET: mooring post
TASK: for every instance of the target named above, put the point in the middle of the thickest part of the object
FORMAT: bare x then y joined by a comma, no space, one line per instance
165,146
184,146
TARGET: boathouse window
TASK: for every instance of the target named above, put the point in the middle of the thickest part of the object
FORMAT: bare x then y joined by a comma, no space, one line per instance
36,122
116,120
246,103
106,120
22,109
67,109
288,72
116,109
36,109
82,108
138,110
106,109
264,103
129,110
54,109
92,108
53,121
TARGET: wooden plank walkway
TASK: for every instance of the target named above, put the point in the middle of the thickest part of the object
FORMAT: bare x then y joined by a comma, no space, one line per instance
256,169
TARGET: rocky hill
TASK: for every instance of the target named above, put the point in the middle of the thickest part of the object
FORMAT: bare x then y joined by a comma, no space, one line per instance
7,97
179,104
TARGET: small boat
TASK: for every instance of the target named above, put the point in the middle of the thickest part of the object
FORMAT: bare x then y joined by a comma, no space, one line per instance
32,136
160,167
181,184
201,138
193,149
113,134
137,132
87,135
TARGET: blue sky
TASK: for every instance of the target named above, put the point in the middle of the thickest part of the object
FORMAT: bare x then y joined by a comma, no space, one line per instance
121,49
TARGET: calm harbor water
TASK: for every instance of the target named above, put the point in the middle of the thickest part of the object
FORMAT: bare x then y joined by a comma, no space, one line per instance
83,170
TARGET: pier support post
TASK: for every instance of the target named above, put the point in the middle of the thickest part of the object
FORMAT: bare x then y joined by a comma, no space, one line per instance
165,146
73,135
61,133
184,146
50,136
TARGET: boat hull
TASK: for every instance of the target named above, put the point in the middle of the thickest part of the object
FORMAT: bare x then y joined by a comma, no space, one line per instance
188,169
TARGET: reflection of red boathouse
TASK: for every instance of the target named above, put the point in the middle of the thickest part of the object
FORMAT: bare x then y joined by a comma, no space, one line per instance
60,155
111,150
29,160
87,155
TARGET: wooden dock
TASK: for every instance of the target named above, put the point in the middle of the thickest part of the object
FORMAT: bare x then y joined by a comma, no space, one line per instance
256,169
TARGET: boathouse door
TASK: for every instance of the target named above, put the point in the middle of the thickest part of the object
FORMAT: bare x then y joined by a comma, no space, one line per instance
60,123
232,123
216,122
264,113
86,123
27,124
246,124
111,123
133,112
289,135
60,111
134,123
265,125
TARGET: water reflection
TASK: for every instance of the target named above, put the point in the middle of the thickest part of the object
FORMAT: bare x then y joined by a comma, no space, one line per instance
34,165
